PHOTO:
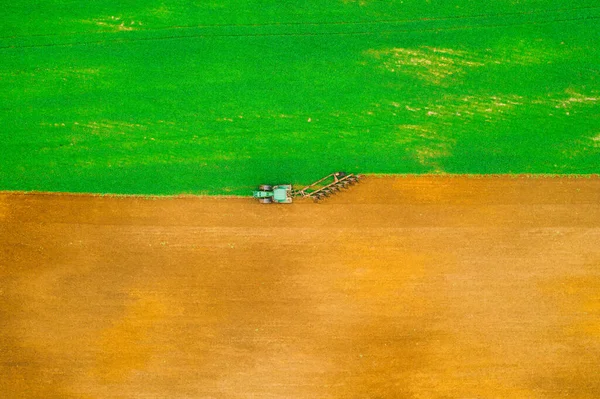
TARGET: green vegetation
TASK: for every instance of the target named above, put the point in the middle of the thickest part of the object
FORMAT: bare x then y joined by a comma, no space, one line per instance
162,97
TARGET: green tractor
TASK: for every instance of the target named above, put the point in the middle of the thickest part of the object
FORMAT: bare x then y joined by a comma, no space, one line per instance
267,194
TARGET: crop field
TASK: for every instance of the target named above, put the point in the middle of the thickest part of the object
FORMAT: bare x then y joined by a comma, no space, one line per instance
155,97
444,287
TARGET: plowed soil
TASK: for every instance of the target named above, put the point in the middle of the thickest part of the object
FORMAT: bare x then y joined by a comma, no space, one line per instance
428,287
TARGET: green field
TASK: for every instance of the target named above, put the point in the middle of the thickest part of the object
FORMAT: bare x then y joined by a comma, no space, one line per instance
162,97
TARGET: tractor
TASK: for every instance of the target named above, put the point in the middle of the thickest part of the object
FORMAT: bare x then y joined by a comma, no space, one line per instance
281,194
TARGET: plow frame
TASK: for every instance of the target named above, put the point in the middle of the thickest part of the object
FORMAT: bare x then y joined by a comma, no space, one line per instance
340,180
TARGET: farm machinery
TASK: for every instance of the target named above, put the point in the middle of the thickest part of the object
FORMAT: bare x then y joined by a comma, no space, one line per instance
318,190
281,194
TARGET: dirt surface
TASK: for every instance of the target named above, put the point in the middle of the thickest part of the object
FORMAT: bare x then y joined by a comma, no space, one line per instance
431,287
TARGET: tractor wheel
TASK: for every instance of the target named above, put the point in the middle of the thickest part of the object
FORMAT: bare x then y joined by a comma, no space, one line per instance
267,200
265,187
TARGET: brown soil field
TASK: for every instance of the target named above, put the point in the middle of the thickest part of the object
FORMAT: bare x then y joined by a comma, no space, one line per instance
405,287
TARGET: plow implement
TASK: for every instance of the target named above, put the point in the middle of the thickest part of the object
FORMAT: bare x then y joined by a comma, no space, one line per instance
327,186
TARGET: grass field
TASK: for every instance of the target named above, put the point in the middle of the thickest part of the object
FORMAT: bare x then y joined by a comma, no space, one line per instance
160,97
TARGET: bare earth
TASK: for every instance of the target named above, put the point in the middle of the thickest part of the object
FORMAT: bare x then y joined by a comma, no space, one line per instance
429,287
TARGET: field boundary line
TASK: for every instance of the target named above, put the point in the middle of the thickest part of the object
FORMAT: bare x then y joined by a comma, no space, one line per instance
114,195
533,176
490,176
